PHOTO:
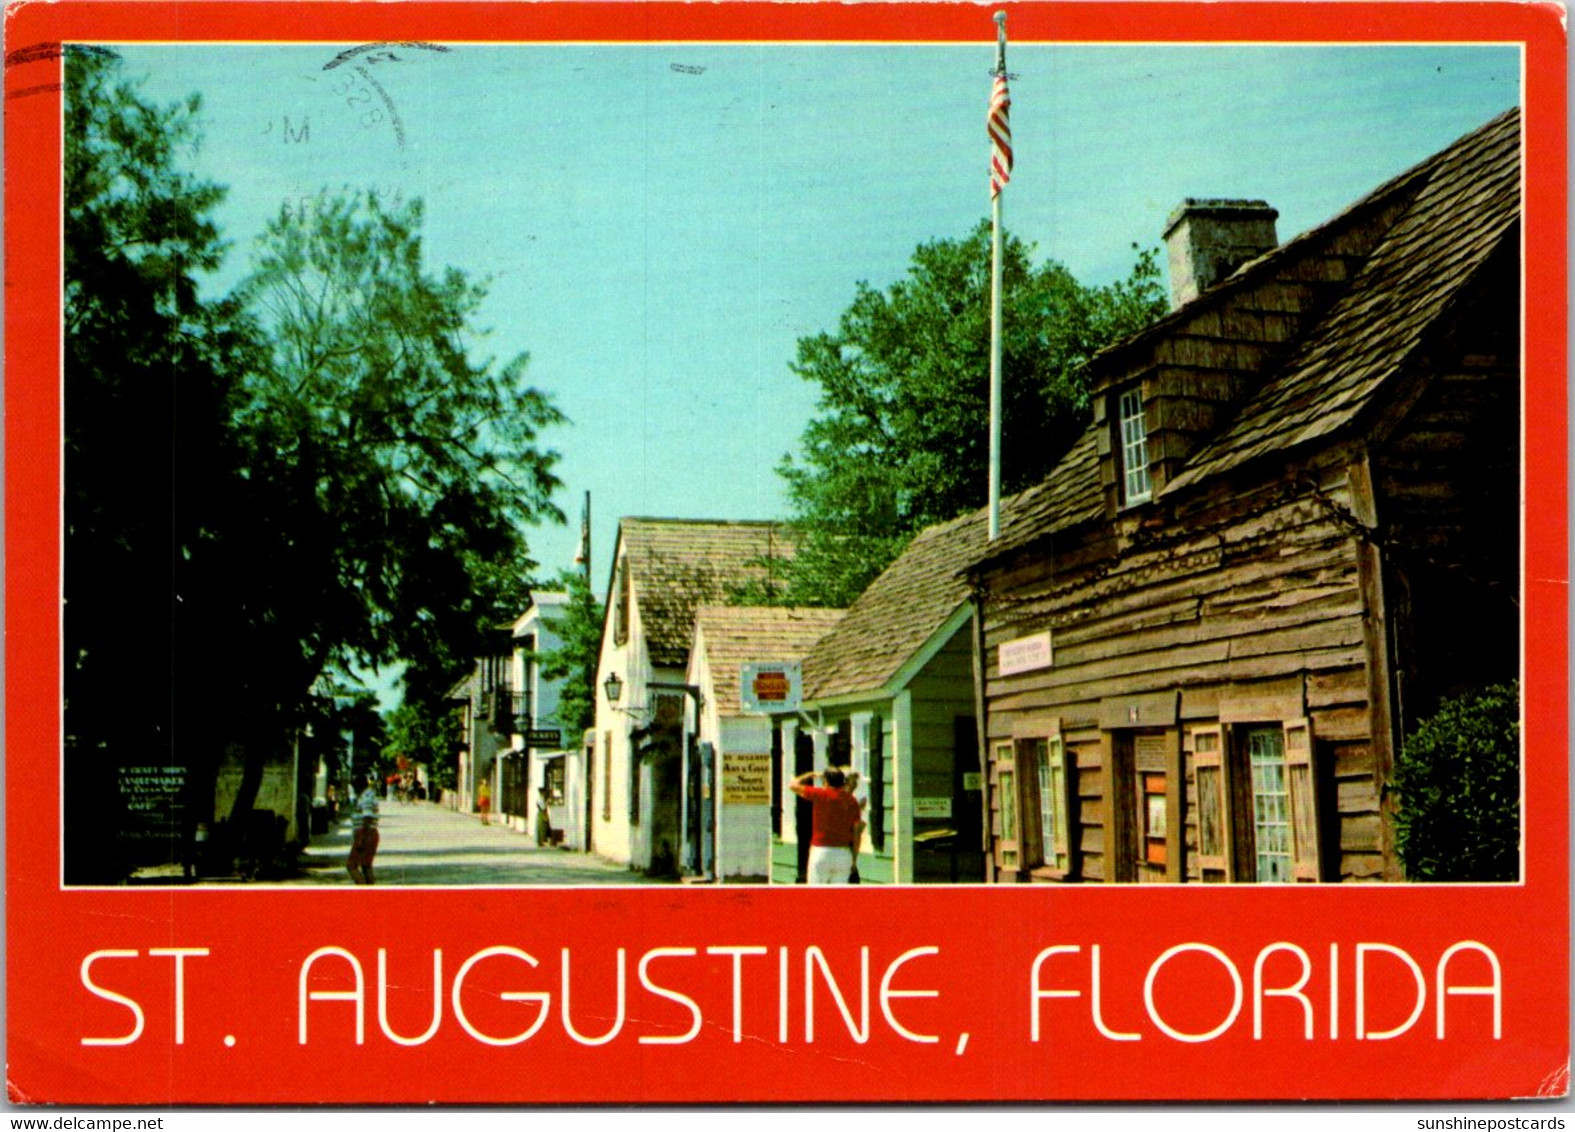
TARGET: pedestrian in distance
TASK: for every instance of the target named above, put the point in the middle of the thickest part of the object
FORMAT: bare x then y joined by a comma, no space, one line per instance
543,823
838,821
484,802
364,838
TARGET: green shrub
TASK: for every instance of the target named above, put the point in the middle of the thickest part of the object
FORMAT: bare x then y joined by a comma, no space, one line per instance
1458,778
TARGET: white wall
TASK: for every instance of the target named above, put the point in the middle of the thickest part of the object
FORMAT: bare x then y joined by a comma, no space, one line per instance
743,831
539,623
613,835
742,845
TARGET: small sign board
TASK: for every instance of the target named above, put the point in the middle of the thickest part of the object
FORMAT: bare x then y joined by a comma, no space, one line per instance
544,737
154,802
932,807
746,779
1025,654
771,687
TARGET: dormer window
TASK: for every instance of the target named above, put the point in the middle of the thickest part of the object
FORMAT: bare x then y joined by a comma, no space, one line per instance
1133,435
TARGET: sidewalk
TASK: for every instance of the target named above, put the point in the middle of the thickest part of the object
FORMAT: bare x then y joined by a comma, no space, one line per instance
425,844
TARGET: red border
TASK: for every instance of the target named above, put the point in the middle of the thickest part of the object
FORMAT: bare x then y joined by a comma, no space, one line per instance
247,986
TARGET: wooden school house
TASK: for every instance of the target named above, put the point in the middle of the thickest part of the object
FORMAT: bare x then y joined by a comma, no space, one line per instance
1291,528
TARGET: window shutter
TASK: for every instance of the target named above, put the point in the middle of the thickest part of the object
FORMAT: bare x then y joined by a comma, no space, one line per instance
877,813
1208,768
1005,809
606,775
1303,790
1060,850
621,610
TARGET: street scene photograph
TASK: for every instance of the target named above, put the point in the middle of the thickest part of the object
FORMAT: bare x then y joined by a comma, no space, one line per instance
594,465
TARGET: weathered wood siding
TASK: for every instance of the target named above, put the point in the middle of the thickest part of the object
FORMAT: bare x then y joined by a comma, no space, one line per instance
1243,586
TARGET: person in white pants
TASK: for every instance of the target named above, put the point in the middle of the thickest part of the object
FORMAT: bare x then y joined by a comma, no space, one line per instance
838,824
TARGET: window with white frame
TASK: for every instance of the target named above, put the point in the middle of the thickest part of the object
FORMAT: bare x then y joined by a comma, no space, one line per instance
1265,827
1133,436
1271,805
1048,758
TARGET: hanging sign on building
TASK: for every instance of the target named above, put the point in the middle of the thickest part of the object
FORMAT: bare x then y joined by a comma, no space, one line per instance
746,779
1025,654
771,687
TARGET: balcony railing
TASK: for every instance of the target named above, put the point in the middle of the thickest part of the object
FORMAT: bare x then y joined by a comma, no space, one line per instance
505,709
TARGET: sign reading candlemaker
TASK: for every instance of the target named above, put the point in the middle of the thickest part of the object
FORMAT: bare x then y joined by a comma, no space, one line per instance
771,687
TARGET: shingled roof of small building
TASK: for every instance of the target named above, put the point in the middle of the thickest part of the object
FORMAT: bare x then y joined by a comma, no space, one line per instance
678,565
914,597
736,635
1400,258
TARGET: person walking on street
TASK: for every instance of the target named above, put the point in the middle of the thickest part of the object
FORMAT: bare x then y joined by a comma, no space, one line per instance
838,820
364,839
484,802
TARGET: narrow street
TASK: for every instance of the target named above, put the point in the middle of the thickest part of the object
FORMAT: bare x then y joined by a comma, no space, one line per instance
426,844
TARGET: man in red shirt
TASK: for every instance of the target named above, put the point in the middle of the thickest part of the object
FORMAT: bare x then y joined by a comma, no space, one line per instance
838,826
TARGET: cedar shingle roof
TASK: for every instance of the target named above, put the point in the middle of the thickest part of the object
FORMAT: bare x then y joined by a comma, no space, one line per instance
1467,199
736,635
916,594
678,565
1358,296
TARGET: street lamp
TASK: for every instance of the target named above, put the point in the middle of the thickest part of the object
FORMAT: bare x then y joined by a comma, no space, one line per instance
614,688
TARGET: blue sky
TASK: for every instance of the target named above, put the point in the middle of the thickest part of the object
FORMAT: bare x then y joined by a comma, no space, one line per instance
662,223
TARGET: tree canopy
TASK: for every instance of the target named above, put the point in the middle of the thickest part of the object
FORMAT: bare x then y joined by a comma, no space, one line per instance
575,660
427,734
901,439
267,490
416,466
153,470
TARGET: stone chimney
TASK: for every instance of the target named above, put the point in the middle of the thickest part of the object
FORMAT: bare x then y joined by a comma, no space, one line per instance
1209,239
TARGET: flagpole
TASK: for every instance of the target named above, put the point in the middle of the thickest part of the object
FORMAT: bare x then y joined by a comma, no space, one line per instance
997,182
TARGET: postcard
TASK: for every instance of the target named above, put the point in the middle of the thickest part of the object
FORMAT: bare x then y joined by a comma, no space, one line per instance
507,503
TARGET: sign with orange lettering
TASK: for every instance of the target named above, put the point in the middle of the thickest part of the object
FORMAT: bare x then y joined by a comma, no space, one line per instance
771,687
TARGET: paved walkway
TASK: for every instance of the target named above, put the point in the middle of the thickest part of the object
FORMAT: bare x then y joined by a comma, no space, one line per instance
426,844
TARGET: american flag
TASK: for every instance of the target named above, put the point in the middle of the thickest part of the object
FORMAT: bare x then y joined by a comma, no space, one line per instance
1000,136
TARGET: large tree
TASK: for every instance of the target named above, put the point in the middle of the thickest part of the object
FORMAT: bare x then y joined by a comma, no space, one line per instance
412,465
901,440
153,468
416,462
267,491
575,660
